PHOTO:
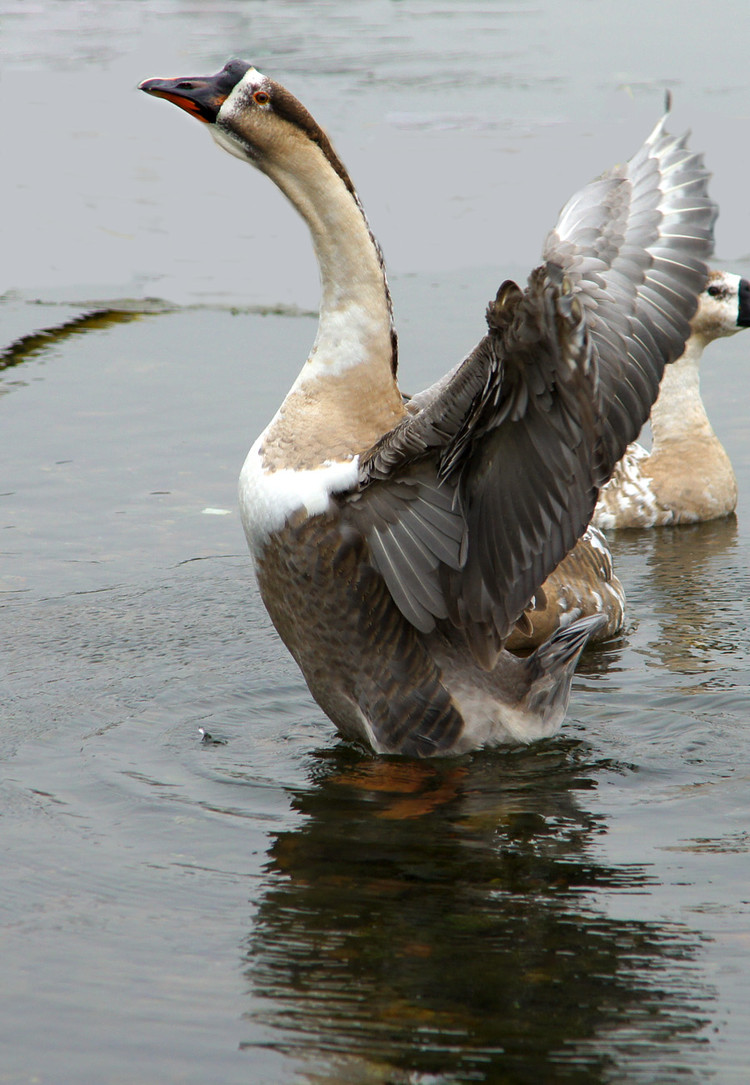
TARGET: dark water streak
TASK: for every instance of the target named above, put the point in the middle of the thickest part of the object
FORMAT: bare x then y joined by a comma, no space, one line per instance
276,906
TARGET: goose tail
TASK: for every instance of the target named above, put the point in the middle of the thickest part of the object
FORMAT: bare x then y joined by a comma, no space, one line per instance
550,671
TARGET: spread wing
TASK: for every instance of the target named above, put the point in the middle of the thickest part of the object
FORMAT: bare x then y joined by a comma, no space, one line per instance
634,244
474,498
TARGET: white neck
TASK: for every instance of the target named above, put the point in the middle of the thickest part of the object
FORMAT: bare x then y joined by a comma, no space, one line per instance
355,324
679,412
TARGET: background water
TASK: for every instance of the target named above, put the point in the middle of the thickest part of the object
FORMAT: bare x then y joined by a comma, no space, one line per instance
275,906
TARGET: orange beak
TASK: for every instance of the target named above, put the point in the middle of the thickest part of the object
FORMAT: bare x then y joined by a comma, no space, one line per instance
201,95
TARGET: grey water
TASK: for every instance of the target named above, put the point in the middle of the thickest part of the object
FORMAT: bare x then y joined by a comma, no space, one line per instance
268,904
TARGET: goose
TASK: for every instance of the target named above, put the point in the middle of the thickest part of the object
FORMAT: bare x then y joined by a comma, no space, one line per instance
687,476
584,583
396,545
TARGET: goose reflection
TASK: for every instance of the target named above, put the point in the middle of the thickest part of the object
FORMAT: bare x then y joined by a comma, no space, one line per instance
688,580
448,922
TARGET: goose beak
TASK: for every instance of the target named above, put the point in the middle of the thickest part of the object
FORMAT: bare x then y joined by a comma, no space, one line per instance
743,314
200,95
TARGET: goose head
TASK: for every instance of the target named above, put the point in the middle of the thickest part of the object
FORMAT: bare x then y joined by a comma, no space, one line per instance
723,307
252,117
260,122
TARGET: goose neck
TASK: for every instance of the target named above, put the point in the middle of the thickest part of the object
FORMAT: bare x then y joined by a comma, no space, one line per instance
679,411
356,325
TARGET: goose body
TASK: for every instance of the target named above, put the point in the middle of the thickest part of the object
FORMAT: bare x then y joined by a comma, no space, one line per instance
687,476
396,547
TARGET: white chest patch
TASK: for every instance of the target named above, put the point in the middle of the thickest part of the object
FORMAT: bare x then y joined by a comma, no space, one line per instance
269,498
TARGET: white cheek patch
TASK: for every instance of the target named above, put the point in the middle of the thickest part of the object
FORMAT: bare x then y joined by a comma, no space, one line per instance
717,315
235,103
251,80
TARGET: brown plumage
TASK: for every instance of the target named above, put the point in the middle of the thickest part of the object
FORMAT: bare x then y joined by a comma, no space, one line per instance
398,546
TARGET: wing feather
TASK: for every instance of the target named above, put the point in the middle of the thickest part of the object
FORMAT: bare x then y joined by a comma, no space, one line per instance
480,491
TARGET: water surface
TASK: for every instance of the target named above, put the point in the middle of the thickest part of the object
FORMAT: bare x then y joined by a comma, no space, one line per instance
269,904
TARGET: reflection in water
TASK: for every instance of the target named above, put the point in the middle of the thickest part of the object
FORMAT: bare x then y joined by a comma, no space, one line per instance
694,598
442,919
456,910
691,573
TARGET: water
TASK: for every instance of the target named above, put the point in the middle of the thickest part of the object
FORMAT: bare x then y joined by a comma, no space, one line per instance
271,905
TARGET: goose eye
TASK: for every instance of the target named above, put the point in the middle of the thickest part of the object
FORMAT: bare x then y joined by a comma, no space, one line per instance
262,97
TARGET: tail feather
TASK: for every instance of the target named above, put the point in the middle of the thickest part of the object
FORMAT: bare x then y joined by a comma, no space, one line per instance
550,670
